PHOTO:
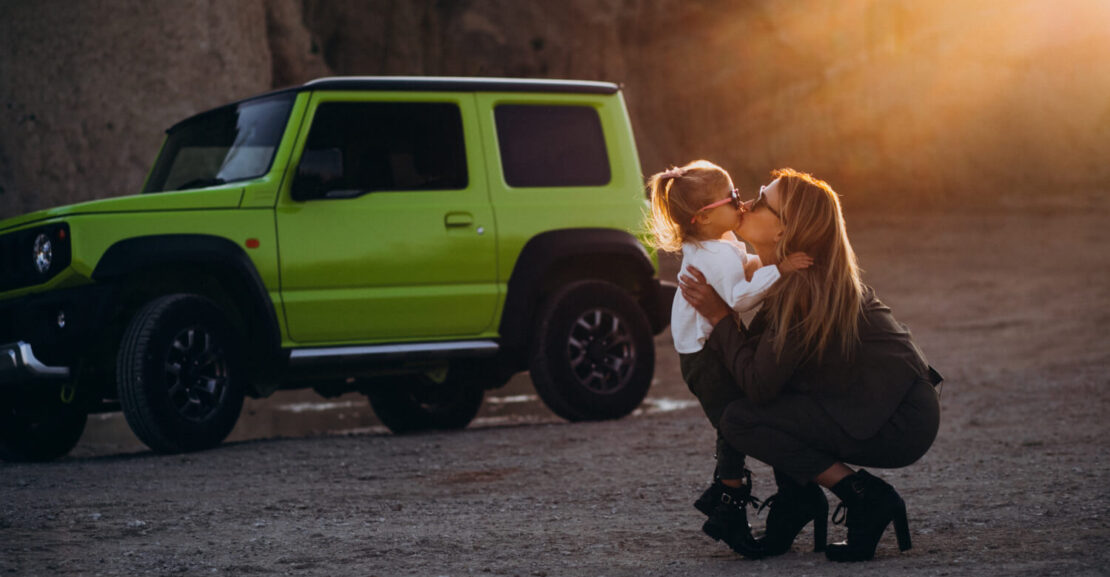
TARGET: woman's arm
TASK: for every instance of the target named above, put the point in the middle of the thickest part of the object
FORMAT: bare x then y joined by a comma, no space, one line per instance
701,296
722,267
751,358
752,361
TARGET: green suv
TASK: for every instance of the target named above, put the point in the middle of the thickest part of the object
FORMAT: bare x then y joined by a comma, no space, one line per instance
419,240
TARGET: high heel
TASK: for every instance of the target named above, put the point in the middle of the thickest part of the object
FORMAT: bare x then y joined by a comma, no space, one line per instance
792,508
902,528
821,530
869,505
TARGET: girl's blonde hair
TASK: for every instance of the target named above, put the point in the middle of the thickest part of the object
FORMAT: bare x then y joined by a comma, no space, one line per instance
676,196
821,304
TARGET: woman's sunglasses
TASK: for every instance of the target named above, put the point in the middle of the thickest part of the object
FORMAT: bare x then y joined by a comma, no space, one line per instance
762,202
733,197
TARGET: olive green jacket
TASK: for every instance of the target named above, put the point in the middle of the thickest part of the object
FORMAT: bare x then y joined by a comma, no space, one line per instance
860,393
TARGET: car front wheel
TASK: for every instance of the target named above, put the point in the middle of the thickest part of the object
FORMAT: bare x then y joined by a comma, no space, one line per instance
179,376
594,356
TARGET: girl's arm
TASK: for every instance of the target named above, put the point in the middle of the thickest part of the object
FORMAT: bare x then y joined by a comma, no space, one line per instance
747,294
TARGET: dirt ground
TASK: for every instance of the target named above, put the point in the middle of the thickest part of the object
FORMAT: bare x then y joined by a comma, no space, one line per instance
1012,306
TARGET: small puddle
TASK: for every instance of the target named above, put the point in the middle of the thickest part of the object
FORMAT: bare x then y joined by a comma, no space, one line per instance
304,413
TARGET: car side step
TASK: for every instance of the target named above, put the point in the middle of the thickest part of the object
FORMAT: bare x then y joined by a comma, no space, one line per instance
356,355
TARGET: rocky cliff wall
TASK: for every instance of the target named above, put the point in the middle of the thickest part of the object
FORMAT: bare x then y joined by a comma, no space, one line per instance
892,101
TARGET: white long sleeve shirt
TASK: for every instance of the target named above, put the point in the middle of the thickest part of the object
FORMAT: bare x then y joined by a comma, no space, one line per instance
722,262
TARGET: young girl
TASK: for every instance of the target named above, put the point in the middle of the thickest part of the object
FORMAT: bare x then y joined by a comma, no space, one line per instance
695,208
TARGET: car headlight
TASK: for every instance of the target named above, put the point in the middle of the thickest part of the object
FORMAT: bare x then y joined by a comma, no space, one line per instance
33,256
43,253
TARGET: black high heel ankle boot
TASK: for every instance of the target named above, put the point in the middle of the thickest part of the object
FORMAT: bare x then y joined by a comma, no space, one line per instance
728,521
792,508
871,505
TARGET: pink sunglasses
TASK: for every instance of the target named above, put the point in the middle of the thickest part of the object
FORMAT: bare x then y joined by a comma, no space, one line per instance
733,197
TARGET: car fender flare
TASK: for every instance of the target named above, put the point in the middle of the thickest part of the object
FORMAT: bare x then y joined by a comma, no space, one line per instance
546,253
134,254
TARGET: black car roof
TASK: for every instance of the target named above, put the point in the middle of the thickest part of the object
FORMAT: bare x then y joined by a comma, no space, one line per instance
430,84
458,84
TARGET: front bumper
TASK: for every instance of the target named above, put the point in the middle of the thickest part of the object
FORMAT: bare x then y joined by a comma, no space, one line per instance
53,328
18,364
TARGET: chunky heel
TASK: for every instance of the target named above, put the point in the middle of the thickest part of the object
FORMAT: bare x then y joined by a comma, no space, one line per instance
902,528
792,508
821,529
870,505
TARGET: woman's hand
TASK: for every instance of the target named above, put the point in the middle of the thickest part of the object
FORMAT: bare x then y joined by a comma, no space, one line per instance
702,297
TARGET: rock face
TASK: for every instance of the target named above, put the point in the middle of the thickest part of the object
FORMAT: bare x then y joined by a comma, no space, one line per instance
87,88
892,101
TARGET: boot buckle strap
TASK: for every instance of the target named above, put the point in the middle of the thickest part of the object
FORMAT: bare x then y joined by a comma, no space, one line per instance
839,514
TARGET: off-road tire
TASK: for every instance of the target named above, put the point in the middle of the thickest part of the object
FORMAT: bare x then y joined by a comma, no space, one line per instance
424,402
606,370
33,434
175,412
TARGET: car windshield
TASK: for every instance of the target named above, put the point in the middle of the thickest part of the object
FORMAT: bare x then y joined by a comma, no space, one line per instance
231,143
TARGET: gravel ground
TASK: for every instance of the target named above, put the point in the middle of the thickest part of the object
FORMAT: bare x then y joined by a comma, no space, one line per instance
1012,307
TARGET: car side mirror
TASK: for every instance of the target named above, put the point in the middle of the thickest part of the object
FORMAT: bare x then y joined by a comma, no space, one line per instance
319,172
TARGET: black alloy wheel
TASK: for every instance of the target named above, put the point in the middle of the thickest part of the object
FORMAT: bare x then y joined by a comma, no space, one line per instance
179,374
197,376
600,351
593,357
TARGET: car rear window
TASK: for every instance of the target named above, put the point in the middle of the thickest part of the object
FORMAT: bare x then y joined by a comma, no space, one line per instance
543,146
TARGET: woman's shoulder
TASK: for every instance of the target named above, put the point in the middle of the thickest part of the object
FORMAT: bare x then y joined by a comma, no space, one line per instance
869,300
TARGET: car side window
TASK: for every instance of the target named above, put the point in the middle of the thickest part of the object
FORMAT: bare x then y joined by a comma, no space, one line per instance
358,147
545,145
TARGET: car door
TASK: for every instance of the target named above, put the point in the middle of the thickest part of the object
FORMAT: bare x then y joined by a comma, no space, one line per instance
385,227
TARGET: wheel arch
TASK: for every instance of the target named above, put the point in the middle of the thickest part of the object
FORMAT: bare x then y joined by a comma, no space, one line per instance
555,258
211,266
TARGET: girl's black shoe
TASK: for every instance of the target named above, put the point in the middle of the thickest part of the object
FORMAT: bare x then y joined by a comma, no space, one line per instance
728,521
871,505
792,508
709,498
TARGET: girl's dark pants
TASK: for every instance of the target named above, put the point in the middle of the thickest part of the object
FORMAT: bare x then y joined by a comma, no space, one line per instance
714,387
796,436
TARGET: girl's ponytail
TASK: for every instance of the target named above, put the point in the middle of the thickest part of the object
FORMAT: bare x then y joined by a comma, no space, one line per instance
666,232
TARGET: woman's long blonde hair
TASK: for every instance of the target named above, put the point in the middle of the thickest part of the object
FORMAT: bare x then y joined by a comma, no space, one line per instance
676,196
819,305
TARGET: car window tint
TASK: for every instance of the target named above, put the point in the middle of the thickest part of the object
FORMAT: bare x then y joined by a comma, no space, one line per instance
551,146
359,147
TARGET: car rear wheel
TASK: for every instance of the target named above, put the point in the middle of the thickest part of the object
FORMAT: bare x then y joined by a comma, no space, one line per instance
594,356
437,400
39,433
179,375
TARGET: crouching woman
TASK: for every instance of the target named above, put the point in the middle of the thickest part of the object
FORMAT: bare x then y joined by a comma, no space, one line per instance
829,377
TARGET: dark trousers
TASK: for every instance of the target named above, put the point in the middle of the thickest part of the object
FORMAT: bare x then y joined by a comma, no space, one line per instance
796,436
714,387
